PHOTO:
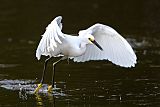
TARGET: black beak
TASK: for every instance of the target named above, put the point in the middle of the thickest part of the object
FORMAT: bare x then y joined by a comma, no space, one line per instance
94,42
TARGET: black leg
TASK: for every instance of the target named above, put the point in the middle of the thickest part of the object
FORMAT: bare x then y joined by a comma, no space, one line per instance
44,69
43,74
53,74
54,64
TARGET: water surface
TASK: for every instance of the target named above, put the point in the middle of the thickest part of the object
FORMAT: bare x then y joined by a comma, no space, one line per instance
89,84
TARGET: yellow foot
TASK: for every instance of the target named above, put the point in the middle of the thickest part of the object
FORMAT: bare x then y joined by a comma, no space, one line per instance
49,88
37,89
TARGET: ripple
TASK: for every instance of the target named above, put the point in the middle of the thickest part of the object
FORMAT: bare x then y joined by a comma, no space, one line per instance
5,81
8,65
142,79
144,42
100,96
154,66
28,86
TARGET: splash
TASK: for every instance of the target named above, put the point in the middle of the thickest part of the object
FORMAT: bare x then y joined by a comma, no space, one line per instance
27,87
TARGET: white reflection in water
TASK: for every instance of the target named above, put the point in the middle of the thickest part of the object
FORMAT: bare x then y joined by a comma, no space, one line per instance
27,87
111,94
8,65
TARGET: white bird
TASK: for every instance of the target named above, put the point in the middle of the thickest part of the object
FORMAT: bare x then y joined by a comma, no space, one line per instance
112,46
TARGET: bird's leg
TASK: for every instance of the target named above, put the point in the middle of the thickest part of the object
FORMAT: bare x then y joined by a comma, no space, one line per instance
68,60
43,74
53,74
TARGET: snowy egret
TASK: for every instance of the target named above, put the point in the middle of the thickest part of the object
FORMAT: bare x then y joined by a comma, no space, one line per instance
112,46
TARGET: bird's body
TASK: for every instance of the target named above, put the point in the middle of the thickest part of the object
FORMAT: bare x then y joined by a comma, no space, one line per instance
112,46
72,46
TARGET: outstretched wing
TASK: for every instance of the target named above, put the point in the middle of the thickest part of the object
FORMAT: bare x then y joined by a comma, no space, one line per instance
115,48
50,38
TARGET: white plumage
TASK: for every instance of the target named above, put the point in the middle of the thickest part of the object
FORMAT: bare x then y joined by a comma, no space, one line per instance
50,38
115,48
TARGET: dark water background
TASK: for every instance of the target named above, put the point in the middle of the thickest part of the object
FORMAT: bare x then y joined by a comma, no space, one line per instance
90,84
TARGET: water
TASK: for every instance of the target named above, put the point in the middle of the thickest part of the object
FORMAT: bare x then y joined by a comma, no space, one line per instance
90,84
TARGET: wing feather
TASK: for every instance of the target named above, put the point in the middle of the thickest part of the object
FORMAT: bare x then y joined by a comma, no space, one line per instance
50,39
115,48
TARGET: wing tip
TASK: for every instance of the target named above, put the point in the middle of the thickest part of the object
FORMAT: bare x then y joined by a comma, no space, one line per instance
130,65
38,56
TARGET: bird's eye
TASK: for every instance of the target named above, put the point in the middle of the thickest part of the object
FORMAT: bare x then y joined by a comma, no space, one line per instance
90,39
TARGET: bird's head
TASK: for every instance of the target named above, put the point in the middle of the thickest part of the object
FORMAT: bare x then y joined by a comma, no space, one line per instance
91,40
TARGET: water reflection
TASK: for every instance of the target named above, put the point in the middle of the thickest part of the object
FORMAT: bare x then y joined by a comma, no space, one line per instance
26,89
40,100
84,84
140,91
